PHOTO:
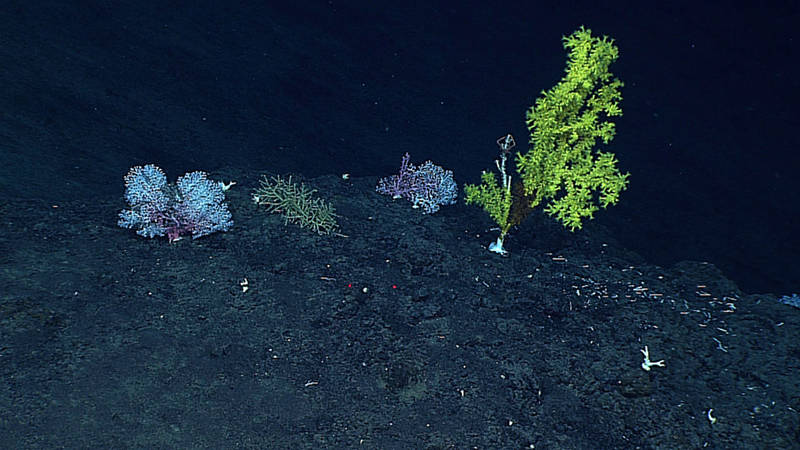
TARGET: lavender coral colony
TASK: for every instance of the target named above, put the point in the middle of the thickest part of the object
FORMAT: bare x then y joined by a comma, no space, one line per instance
426,187
193,206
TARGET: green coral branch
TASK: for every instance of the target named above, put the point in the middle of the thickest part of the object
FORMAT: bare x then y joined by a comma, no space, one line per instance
493,198
296,203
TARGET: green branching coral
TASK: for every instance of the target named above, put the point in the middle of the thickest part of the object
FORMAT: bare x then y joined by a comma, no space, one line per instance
565,125
297,204
494,198
561,168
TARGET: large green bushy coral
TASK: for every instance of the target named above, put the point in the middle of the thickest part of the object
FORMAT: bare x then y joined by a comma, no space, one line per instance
561,168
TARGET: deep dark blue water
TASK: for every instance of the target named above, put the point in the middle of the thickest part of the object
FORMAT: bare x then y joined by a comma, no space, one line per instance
318,89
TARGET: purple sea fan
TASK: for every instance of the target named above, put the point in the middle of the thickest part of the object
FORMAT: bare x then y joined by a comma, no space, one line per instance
400,185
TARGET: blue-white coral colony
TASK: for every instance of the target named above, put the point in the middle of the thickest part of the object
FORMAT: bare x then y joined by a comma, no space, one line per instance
794,300
194,205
